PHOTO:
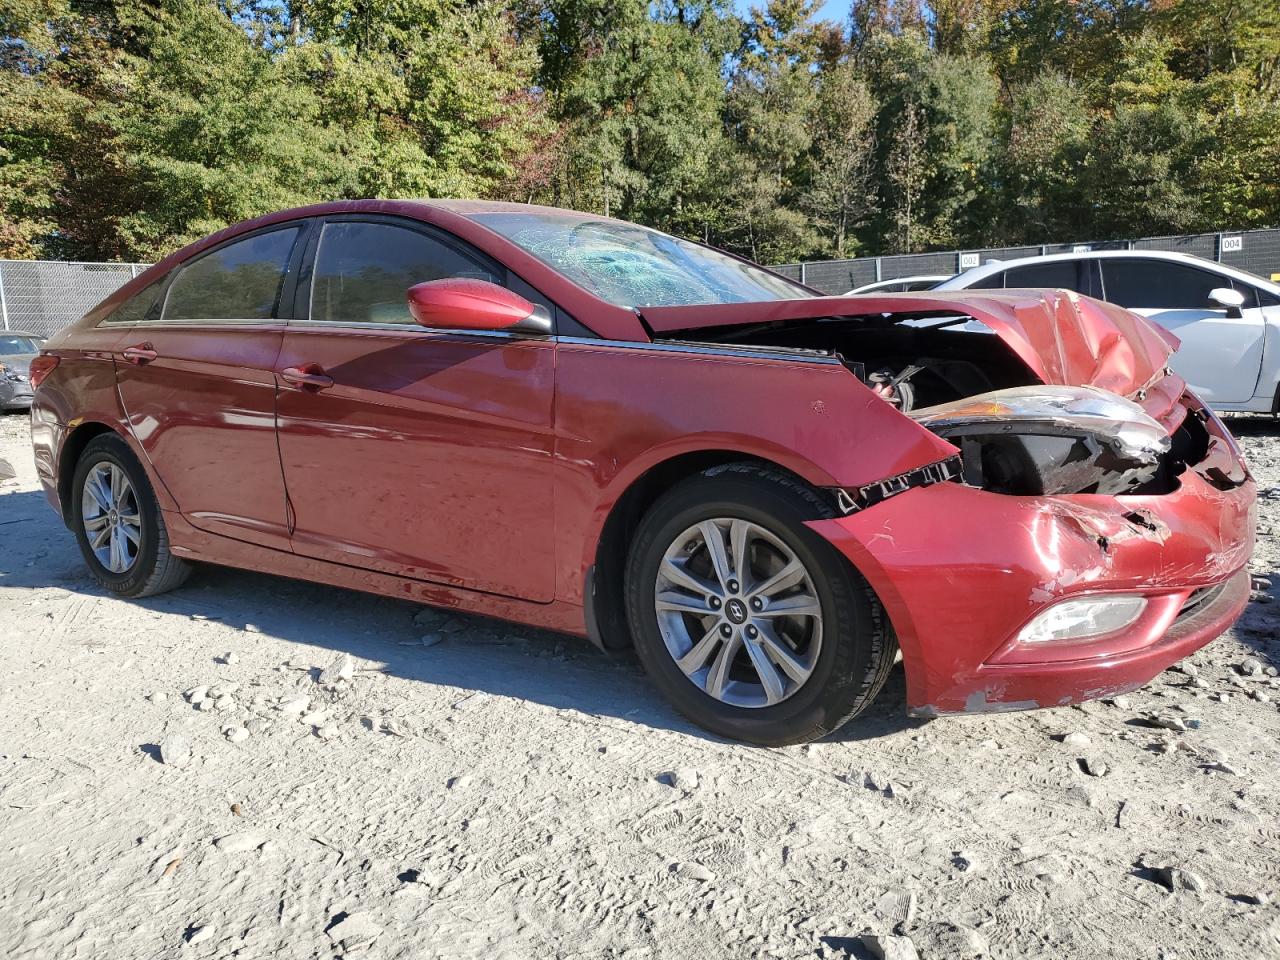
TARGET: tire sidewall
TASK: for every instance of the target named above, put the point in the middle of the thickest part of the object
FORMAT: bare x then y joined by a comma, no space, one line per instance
830,692
111,449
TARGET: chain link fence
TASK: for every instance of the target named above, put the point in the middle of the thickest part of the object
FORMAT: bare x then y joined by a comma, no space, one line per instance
1257,251
43,296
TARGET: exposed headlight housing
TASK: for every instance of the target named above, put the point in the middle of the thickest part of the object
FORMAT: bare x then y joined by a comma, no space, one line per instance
1051,440
1084,617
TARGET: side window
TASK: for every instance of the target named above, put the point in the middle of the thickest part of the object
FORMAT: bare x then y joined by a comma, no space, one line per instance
240,281
993,282
139,307
1264,298
363,270
1059,273
1158,284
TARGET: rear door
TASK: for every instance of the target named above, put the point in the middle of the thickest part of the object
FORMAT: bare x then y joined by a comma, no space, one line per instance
196,377
421,453
1221,354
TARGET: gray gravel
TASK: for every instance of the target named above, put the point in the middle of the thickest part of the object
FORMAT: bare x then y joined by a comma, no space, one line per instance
510,793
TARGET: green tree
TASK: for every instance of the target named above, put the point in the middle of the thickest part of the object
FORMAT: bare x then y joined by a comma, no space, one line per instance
1046,140
771,105
841,192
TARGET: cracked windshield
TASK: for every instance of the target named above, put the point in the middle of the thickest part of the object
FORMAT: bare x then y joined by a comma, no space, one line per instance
632,266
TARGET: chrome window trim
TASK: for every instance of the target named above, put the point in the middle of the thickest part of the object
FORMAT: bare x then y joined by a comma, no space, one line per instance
204,322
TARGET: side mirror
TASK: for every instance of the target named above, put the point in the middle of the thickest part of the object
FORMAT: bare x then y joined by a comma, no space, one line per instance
460,303
1230,300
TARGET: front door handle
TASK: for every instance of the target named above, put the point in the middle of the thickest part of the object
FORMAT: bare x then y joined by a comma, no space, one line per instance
140,354
309,376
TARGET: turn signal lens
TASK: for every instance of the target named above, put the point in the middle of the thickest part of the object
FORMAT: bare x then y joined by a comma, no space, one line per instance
1084,617
41,367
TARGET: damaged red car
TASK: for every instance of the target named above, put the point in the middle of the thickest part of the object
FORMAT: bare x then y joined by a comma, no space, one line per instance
586,425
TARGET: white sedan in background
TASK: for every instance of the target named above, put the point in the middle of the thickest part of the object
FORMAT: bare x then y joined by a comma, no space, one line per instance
1228,320
901,284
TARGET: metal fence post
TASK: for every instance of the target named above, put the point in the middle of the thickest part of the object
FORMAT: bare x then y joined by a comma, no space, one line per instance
4,304
878,270
803,276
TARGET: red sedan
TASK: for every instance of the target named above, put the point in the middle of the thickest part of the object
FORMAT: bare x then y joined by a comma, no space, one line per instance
582,424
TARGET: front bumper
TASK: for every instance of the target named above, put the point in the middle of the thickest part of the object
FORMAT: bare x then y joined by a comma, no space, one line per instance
961,571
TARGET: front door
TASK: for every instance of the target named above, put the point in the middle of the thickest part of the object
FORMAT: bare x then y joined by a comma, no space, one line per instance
197,380
1221,354
421,453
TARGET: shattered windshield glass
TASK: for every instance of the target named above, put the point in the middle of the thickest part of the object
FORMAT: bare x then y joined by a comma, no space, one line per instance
633,266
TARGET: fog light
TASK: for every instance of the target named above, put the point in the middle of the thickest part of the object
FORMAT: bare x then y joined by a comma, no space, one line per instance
1084,617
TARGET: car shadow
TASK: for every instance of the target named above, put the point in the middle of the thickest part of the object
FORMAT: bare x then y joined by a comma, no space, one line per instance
476,654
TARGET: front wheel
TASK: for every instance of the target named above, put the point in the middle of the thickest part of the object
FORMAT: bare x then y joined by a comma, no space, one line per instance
751,624
117,522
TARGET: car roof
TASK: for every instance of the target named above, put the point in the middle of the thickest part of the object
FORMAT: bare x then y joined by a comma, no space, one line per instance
22,333
961,280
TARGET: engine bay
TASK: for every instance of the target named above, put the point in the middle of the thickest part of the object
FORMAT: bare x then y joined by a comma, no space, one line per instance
1016,435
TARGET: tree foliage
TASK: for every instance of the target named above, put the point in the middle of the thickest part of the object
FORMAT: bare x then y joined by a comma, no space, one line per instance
129,127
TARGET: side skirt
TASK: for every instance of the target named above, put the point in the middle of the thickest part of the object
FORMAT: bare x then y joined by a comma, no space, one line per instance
191,543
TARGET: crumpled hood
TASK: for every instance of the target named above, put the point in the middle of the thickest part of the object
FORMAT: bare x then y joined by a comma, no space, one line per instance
1063,337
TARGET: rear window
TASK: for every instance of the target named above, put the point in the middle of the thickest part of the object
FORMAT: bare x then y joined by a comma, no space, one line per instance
1062,274
993,282
11,346
240,281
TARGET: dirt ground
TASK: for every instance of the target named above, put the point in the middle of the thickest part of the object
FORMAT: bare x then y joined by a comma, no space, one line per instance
478,790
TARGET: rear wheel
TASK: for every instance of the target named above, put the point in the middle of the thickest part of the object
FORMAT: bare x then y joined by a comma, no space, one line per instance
117,522
751,624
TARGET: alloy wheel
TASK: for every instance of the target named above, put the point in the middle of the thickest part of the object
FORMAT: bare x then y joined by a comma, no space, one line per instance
738,612
109,513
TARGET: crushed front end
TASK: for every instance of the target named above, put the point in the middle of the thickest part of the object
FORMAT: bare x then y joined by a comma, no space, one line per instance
1005,599
1093,523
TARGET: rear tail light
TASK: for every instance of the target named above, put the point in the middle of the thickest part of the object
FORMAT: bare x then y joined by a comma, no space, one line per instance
41,367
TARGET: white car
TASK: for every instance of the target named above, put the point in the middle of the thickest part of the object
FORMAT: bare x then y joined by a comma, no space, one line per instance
901,284
1228,320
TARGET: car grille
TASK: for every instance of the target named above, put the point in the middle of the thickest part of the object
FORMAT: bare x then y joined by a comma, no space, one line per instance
1200,598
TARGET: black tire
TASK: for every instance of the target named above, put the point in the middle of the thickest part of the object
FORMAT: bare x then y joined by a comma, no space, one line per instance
858,647
155,569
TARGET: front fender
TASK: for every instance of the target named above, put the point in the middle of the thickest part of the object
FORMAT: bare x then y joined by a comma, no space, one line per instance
621,411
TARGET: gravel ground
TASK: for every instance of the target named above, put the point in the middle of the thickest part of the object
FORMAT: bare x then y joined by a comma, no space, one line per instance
351,775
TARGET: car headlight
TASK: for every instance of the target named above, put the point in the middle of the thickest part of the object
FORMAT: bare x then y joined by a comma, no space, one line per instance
1084,617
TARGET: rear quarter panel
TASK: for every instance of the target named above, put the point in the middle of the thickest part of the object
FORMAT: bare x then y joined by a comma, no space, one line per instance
81,390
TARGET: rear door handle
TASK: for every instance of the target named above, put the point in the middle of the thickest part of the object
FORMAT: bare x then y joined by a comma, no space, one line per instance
310,376
140,354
